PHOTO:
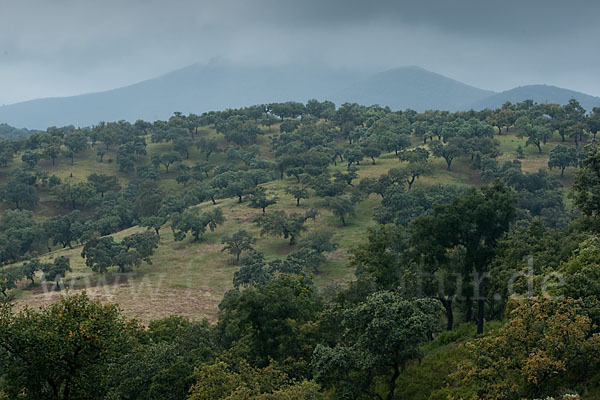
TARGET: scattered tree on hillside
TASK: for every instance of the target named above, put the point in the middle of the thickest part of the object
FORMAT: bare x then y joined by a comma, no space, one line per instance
298,192
455,147
341,207
191,220
238,242
563,157
278,223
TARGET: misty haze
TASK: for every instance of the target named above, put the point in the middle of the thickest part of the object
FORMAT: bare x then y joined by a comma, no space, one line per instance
318,200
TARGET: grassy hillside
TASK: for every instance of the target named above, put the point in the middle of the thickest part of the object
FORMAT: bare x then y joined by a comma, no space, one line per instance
190,278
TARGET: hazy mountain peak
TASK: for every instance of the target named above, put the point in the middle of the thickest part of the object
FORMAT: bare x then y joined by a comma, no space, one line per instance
219,84
539,93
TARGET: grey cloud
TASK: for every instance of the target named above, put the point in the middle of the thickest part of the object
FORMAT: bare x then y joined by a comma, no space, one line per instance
61,47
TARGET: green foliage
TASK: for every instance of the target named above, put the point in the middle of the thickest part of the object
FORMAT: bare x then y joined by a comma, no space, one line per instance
166,159
9,277
432,241
191,220
259,199
162,367
586,187
476,222
238,242
65,229
400,206
74,194
278,223
545,344
341,207
298,192
103,253
271,321
19,194
63,351
56,270
378,257
377,339
222,381
19,234
455,147
563,157
104,183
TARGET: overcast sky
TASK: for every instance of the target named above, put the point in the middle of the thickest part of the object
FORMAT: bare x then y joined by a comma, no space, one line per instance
64,47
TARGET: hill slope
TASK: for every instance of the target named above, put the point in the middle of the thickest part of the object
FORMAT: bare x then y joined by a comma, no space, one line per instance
411,87
537,93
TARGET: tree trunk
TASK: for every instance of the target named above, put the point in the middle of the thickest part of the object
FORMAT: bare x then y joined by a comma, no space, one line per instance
480,312
392,384
447,303
469,313
67,391
298,202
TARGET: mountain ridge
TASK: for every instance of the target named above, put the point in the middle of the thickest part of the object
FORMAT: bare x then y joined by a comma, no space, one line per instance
392,85
539,93
199,88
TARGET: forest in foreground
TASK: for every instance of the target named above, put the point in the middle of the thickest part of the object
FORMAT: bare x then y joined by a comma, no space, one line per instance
304,251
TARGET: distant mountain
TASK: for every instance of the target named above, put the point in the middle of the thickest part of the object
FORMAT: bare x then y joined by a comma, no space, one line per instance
411,87
194,89
199,88
538,93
